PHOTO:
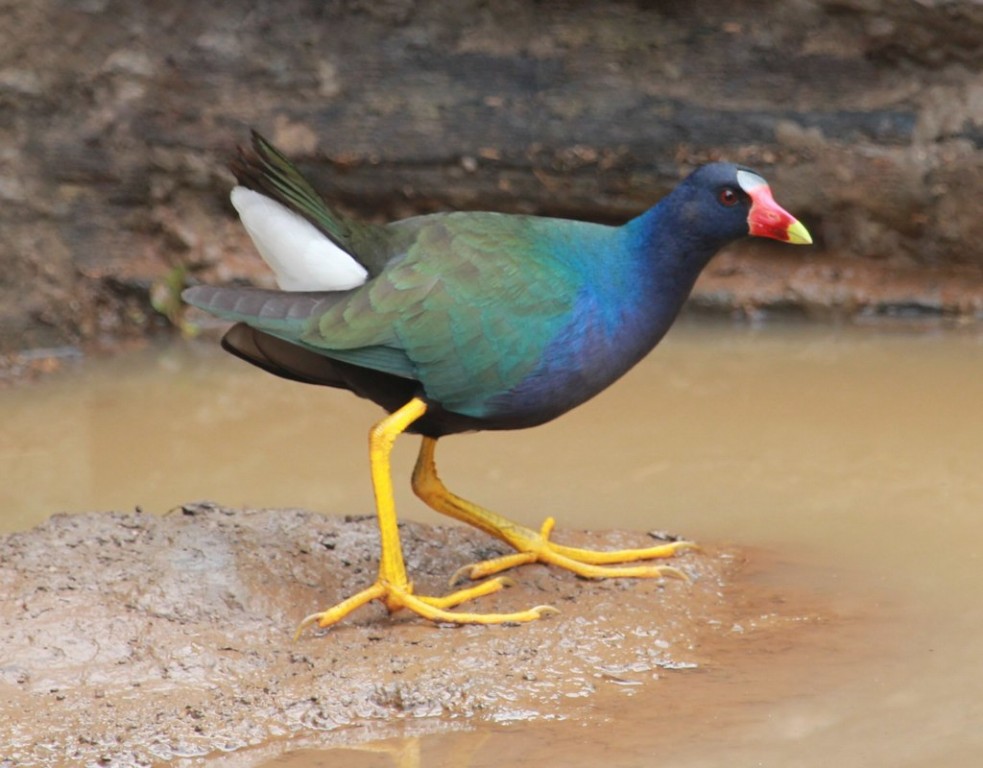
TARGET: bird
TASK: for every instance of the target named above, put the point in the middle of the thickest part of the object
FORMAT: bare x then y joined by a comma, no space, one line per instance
462,321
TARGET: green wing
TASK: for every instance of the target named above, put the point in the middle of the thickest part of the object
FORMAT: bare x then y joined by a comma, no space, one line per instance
472,306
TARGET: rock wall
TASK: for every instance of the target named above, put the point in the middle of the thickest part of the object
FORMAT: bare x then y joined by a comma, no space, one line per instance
116,118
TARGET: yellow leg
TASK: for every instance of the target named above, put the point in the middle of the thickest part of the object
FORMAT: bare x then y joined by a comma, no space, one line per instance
533,546
392,587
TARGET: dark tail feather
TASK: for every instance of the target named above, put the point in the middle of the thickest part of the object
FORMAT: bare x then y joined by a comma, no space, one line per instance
279,357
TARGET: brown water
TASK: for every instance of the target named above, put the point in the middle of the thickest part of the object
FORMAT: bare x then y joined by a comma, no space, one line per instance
854,456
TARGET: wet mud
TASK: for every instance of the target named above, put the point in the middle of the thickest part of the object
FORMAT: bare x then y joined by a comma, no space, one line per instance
135,639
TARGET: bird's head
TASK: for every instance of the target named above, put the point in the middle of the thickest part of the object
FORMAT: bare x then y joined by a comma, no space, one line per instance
723,202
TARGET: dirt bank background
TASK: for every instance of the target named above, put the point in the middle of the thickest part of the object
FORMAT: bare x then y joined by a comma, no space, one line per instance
116,119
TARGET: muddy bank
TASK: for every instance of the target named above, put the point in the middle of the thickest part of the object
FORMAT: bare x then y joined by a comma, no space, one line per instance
131,638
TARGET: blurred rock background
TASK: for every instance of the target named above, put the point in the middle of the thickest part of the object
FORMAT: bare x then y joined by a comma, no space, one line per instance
117,118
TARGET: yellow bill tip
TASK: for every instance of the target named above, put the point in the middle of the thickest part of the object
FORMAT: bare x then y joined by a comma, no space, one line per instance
798,234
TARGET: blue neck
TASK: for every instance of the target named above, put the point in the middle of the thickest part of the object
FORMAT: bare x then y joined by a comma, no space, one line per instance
636,294
667,262
661,237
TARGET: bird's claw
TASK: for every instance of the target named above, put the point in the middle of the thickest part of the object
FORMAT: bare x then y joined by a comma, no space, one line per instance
591,564
396,597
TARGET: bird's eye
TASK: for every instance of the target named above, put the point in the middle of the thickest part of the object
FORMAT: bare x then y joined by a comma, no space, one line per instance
728,196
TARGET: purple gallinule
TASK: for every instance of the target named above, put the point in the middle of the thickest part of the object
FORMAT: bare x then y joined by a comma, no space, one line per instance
456,322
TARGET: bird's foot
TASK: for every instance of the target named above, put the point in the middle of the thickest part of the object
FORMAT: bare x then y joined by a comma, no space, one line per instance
434,608
536,547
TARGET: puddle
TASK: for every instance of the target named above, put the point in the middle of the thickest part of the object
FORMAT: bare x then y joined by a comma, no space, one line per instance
848,459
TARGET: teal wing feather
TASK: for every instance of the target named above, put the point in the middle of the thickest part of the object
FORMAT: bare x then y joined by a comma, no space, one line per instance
472,305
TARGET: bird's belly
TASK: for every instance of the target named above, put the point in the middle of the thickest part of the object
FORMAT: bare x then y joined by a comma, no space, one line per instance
506,415
563,380
539,398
